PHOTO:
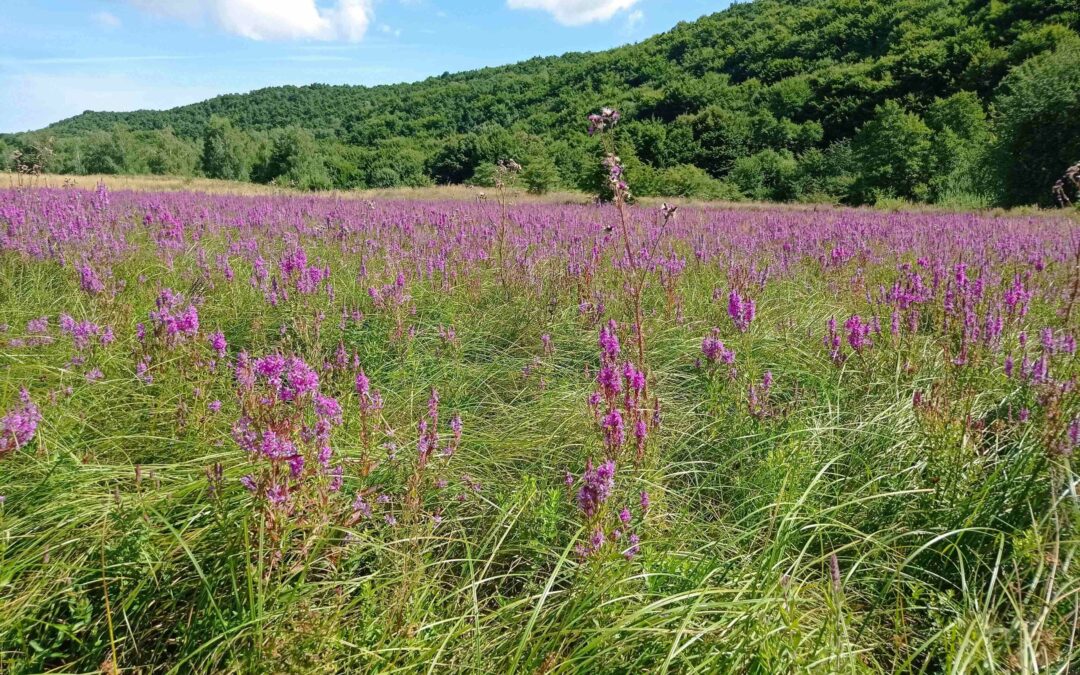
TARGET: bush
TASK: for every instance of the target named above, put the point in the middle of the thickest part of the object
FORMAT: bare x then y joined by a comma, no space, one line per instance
384,177
167,155
540,175
691,182
224,152
825,176
893,154
483,176
344,173
768,175
958,155
294,160
105,152
1038,122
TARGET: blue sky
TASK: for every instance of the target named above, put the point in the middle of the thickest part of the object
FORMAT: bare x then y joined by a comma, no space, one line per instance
60,57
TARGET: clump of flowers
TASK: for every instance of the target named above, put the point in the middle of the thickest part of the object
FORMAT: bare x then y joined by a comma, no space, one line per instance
285,427
18,426
429,445
741,310
218,343
448,336
37,334
605,120
608,530
597,484
620,402
716,353
89,281
858,333
833,341
433,453
174,320
395,299
371,404
84,334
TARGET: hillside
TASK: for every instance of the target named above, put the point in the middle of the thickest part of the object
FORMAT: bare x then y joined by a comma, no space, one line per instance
845,100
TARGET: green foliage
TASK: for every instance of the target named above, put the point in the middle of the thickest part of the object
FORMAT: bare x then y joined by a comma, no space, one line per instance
165,154
484,175
892,152
399,159
960,152
687,180
768,175
1038,123
293,160
108,152
773,76
224,151
825,175
540,175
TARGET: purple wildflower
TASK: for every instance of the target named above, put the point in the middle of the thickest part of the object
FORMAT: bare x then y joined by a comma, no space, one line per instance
596,488
217,343
18,426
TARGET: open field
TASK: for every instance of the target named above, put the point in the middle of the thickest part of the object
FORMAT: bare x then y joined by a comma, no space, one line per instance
461,193
227,187
287,433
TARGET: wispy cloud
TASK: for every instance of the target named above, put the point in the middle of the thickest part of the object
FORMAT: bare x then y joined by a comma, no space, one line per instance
346,20
106,20
576,12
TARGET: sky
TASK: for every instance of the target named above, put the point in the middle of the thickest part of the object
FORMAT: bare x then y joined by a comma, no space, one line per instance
61,57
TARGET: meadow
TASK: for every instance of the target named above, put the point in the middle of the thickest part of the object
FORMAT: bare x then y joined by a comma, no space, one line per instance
288,433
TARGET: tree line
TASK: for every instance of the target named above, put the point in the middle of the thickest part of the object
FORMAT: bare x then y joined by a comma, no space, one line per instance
960,102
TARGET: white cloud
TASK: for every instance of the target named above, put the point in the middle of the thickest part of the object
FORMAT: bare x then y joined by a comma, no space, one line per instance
106,20
634,18
576,12
274,19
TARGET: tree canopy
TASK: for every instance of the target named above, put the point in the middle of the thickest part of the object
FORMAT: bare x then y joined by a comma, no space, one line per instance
844,100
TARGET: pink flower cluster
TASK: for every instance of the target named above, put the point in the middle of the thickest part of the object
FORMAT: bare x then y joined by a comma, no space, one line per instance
174,319
286,423
18,426
620,398
741,310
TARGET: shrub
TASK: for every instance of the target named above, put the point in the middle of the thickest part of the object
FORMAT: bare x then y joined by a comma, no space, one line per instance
893,155
1038,122
768,175
224,153
540,175
689,181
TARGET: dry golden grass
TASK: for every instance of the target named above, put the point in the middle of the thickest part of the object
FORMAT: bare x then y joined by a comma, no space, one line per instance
434,193
212,186
143,183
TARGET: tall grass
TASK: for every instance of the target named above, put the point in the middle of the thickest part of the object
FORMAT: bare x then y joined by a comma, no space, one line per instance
848,531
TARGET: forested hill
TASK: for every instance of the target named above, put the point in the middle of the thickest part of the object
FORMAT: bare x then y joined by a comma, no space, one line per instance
960,101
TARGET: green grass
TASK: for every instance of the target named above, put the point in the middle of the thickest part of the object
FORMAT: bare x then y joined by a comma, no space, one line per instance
955,548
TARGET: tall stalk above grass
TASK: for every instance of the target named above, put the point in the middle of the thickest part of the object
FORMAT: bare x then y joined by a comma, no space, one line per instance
604,124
